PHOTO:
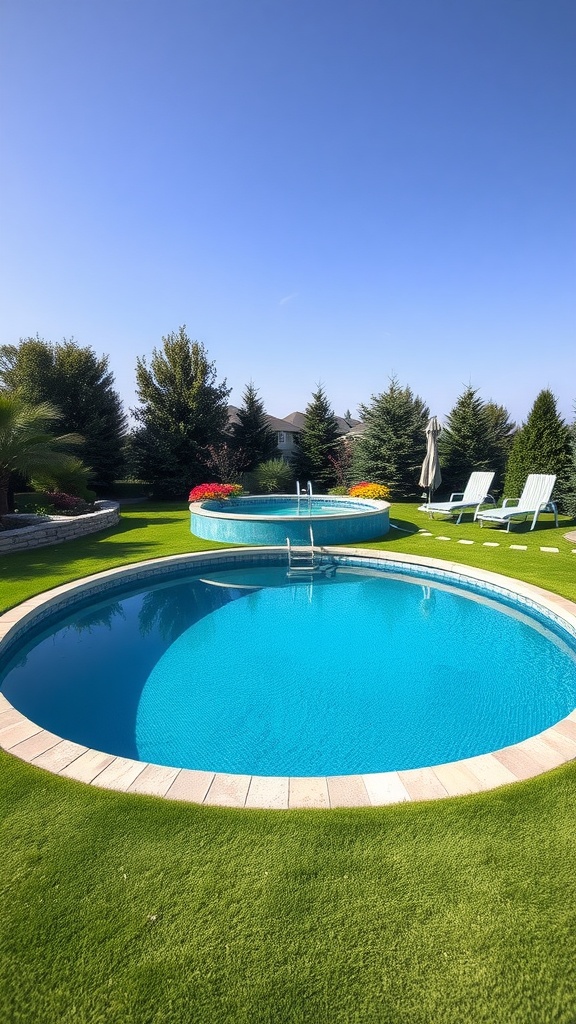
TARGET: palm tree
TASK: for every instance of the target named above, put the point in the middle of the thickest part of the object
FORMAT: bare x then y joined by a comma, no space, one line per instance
26,444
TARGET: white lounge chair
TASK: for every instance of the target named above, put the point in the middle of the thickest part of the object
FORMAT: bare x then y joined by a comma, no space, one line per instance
474,495
535,498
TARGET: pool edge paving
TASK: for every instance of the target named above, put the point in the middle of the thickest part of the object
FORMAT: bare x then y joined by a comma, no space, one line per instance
534,756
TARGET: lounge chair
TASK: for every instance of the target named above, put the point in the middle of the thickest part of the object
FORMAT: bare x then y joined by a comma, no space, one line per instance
473,496
535,498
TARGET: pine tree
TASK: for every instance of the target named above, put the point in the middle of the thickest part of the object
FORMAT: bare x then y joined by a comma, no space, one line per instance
568,498
317,442
541,445
252,435
182,410
476,436
392,448
80,385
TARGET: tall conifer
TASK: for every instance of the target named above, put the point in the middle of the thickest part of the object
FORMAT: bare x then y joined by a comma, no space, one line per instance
393,445
476,436
252,434
317,442
541,445
183,409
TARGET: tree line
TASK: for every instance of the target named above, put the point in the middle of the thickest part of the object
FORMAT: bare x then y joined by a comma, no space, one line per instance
183,435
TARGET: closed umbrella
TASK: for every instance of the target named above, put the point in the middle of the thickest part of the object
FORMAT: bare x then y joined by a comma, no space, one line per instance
431,477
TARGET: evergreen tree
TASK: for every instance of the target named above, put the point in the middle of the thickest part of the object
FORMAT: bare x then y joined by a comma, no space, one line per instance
183,409
80,385
541,445
568,499
317,442
476,436
252,435
392,448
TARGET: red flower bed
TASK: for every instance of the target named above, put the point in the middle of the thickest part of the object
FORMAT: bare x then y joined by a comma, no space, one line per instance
219,492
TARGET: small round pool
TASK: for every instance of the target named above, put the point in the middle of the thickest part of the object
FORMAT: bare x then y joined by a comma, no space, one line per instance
276,518
230,665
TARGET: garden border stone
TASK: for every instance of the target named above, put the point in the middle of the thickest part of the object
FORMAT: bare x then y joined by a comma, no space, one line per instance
57,529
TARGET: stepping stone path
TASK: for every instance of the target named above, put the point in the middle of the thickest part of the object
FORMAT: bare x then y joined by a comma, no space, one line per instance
494,543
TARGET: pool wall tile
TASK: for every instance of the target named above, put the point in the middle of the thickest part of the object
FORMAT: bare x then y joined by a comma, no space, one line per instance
567,727
12,734
519,761
311,791
385,788
35,745
563,744
119,774
457,778
347,791
270,792
422,784
86,767
59,756
228,790
190,785
543,754
154,780
490,772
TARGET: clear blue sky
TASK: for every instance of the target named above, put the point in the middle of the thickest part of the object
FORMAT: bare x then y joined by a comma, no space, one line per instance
324,191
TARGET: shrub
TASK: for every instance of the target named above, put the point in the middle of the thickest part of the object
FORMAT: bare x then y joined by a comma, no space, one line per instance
273,476
338,490
214,492
52,503
68,504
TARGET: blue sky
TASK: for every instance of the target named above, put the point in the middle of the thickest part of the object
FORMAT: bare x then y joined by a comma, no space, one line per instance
330,191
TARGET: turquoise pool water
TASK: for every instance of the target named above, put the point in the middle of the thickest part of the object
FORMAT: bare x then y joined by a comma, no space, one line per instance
247,671
285,508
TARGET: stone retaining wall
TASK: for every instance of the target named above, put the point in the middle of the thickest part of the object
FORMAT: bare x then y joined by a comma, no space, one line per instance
57,529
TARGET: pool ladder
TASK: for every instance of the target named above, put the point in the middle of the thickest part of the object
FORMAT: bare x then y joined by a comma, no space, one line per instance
303,559
307,492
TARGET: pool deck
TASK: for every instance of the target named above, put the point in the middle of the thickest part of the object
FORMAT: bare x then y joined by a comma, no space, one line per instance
534,756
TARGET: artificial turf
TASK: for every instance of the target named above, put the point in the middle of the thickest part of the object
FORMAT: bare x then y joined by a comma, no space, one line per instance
128,909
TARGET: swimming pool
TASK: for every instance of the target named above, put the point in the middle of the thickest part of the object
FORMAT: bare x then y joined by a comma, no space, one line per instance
234,668
275,518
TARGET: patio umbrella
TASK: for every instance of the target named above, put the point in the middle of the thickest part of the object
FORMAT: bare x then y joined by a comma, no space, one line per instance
431,477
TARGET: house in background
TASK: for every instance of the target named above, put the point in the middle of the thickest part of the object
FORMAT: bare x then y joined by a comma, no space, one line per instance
288,429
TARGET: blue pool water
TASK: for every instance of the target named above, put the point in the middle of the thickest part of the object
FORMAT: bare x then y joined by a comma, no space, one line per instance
317,507
247,671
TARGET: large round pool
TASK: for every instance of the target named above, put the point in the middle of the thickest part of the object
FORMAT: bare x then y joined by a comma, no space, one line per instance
276,518
234,666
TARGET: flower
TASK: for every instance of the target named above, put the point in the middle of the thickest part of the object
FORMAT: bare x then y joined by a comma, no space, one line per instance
215,492
365,489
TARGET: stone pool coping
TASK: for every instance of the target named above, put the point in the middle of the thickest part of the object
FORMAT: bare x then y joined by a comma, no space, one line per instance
28,741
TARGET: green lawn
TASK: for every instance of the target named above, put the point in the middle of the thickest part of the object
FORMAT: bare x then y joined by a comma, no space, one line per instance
130,910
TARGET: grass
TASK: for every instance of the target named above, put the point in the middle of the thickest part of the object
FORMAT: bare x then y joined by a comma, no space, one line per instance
130,910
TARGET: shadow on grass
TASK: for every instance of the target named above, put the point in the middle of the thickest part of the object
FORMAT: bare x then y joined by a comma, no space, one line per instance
518,529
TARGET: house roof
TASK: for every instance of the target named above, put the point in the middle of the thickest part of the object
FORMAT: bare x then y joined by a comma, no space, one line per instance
273,421
295,421
299,419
